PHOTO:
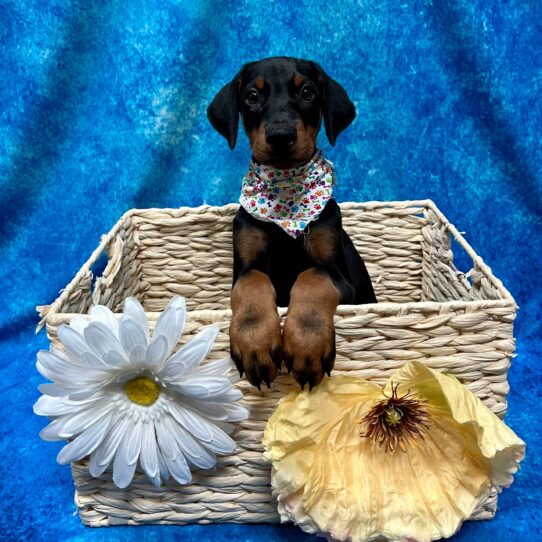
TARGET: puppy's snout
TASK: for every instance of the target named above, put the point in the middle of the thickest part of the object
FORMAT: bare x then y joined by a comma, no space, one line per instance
281,136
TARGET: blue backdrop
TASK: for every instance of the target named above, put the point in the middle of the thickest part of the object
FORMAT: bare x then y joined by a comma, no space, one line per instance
103,108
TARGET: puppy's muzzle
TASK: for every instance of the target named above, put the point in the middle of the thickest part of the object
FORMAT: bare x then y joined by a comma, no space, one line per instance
281,136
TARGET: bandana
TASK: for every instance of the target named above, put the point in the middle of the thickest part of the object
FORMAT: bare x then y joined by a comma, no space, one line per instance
291,198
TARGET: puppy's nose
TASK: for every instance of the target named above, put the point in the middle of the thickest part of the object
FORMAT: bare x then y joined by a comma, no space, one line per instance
281,135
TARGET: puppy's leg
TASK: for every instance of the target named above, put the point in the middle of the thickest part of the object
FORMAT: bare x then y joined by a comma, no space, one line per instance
255,337
309,334
255,328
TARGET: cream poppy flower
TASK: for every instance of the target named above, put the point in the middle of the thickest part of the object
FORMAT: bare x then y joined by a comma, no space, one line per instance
353,461
122,398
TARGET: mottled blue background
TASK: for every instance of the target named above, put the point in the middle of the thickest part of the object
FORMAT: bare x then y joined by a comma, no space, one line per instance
103,108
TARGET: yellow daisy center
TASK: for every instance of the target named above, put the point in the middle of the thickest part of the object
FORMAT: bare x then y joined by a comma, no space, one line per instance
142,390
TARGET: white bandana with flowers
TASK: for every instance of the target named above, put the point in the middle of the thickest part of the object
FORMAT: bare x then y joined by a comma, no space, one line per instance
291,198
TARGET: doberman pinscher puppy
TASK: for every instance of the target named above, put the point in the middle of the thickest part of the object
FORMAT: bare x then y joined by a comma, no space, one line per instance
281,101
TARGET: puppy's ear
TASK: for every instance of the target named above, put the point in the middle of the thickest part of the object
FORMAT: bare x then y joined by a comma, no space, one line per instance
223,113
337,108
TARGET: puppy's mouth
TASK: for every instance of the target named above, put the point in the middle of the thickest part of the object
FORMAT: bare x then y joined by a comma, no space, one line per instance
285,150
281,158
283,162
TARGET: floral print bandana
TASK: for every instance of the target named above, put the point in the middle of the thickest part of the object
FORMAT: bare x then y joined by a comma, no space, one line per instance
291,198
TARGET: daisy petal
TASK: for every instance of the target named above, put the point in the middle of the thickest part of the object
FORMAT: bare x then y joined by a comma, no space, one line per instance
85,443
101,313
236,413
125,461
190,355
228,428
217,411
94,361
134,310
199,426
178,468
178,303
131,335
209,409
52,390
60,370
105,452
221,443
156,481
49,433
231,396
64,355
218,367
132,444
166,326
55,406
203,387
86,393
70,426
157,351
170,324
149,451
115,360
168,445
137,355
164,473
199,456
101,339
94,469
123,472
72,340
78,323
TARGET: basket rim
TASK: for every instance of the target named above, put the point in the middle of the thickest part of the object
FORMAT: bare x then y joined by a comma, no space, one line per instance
382,309
49,313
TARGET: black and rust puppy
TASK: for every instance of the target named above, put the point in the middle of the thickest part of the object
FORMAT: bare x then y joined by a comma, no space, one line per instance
281,101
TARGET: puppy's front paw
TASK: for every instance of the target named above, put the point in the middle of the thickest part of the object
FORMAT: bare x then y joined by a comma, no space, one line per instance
308,345
255,344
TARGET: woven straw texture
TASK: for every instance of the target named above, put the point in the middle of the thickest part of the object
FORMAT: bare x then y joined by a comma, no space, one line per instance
457,322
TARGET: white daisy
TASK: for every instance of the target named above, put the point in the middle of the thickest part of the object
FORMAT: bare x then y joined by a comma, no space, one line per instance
124,399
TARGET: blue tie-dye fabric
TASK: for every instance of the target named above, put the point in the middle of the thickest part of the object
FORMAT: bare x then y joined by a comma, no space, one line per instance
103,108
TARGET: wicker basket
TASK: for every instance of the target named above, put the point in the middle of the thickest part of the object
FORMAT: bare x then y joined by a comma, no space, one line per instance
427,310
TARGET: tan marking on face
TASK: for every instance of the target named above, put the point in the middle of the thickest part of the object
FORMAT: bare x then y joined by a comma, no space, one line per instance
298,79
260,83
260,149
250,243
306,141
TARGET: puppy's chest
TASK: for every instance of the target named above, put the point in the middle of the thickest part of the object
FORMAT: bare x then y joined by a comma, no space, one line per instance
287,258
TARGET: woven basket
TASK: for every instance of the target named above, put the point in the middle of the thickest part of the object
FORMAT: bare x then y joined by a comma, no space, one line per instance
427,310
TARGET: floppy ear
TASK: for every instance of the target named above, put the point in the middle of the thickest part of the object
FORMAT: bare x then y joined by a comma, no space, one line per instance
223,113
337,108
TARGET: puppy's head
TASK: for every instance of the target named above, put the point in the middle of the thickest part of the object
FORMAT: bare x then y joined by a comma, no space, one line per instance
281,101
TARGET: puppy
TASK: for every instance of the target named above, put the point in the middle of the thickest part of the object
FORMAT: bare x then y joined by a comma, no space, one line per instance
288,243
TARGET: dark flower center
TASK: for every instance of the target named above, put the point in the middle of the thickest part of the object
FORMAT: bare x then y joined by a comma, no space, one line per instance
396,422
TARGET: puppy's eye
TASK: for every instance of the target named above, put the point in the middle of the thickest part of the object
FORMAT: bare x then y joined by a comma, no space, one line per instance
252,97
307,93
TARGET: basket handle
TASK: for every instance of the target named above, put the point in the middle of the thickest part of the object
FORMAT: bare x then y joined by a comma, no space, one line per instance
480,272
85,273
102,283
